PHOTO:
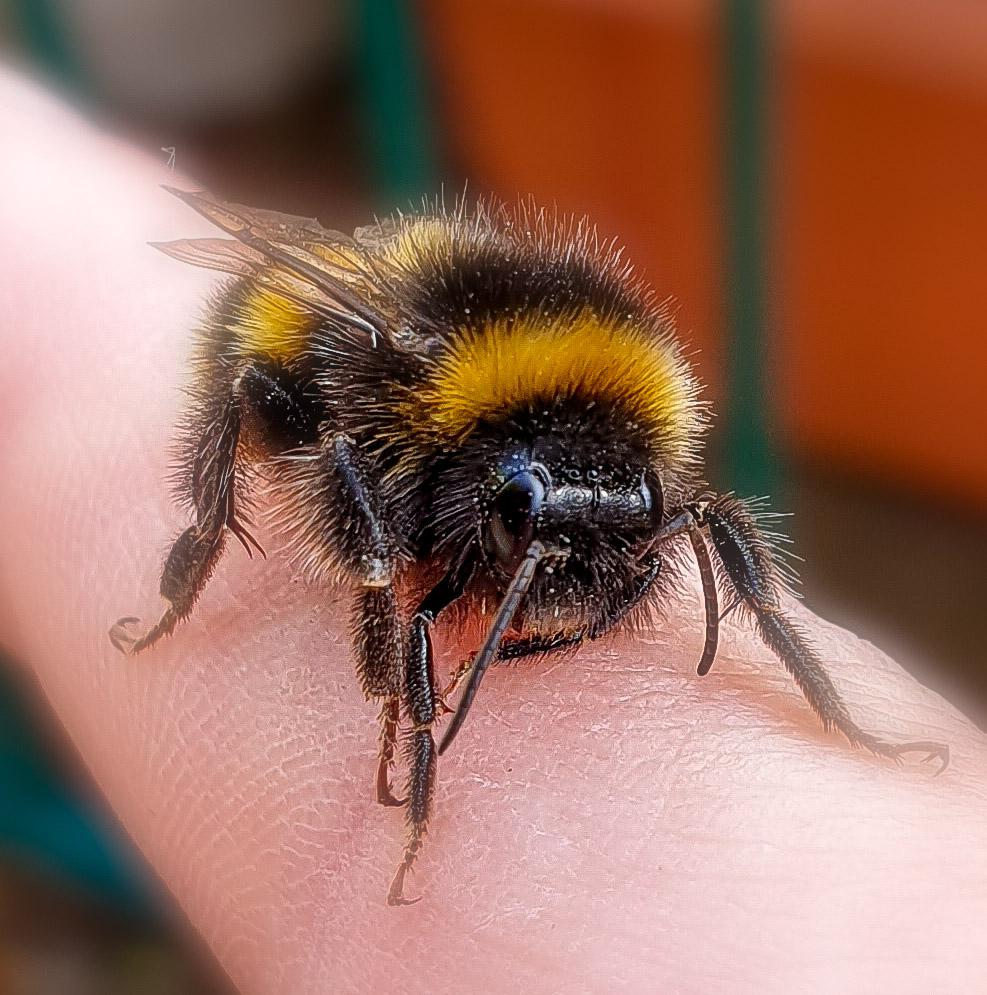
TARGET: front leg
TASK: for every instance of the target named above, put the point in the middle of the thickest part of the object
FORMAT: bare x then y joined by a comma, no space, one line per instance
607,618
420,699
746,558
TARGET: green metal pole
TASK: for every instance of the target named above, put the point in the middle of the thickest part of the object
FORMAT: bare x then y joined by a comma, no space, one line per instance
749,461
397,101
43,36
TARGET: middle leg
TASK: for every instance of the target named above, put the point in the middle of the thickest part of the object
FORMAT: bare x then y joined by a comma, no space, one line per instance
367,548
378,641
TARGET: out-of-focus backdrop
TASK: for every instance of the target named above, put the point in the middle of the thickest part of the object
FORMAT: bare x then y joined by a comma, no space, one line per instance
806,178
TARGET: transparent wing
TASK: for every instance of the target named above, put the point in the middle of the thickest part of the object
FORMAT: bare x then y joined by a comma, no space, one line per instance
321,267
271,226
221,254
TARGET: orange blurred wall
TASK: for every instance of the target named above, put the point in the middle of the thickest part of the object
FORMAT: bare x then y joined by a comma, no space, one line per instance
882,240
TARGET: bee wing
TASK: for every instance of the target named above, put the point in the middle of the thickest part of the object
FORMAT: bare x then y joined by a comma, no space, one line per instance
228,256
272,226
325,261
221,254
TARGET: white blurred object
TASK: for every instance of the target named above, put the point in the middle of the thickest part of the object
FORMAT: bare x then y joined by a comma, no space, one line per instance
199,60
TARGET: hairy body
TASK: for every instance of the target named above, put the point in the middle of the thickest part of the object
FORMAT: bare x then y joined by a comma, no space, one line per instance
489,398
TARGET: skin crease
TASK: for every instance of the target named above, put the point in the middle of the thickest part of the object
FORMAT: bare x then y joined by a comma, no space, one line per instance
612,823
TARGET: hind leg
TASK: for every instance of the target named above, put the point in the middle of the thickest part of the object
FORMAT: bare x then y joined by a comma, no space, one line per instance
266,398
197,550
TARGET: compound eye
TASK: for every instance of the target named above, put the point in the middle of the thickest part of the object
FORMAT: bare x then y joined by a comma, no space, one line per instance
653,498
512,519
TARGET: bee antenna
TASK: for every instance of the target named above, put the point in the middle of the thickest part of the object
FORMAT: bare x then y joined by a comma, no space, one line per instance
690,521
521,581
710,601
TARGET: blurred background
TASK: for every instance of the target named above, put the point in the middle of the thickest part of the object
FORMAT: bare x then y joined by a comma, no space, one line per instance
806,178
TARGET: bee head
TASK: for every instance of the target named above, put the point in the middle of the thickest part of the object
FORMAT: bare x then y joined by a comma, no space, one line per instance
595,517
563,545
570,474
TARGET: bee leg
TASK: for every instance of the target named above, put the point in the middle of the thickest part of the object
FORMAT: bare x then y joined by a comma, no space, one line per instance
746,558
367,547
420,699
389,720
378,642
197,550
263,396
186,571
364,542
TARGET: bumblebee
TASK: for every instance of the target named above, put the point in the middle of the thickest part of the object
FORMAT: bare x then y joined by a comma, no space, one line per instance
479,408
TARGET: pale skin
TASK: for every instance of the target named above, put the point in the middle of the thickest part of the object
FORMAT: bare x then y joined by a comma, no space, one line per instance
610,823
